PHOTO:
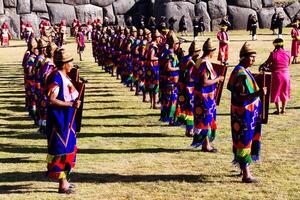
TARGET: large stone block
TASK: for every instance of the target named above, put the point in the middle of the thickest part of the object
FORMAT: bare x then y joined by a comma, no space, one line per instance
102,3
268,3
120,20
55,1
215,24
34,20
239,21
243,3
256,4
13,20
77,2
217,8
39,6
287,20
108,12
201,10
10,3
56,14
265,17
293,9
176,10
123,6
24,7
86,12
1,7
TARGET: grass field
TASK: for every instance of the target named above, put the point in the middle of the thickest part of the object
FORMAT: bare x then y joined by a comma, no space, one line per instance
126,153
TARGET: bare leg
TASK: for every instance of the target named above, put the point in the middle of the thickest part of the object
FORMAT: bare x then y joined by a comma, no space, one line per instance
283,107
277,107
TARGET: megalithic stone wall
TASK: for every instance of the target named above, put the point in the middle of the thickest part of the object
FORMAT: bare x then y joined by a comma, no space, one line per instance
117,10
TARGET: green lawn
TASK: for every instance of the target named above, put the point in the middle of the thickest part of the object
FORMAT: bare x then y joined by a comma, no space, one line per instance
126,153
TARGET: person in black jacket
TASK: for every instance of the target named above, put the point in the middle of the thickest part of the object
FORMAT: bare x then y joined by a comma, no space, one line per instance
201,26
253,26
183,25
196,26
273,23
171,22
279,24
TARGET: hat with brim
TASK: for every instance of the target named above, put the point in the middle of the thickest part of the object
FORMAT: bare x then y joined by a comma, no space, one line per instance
246,49
133,29
52,48
42,43
194,47
63,56
33,46
147,31
207,46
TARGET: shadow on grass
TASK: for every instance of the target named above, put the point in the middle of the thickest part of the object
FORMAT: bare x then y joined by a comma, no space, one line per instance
122,116
100,178
14,189
32,136
8,148
18,160
127,135
124,125
117,178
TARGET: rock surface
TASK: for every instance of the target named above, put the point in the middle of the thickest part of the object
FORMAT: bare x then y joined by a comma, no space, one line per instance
117,10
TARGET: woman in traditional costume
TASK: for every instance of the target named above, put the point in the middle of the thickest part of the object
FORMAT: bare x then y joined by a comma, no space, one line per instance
5,35
245,113
205,81
170,70
185,106
223,45
152,70
279,61
295,42
61,127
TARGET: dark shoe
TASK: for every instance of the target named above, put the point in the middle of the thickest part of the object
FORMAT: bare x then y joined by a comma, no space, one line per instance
66,191
276,112
212,150
249,180
283,112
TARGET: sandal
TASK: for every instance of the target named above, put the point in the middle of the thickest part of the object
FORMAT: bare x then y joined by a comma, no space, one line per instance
66,191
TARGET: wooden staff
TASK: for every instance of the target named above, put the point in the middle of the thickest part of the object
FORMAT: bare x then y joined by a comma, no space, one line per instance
264,97
221,85
79,97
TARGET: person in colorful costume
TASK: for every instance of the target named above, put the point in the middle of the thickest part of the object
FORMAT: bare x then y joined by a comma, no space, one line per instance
28,33
46,69
28,66
5,35
61,128
62,32
80,40
205,81
245,113
223,45
279,61
152,70
295,42
143,59
38,63
185,106
170,71
136,59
